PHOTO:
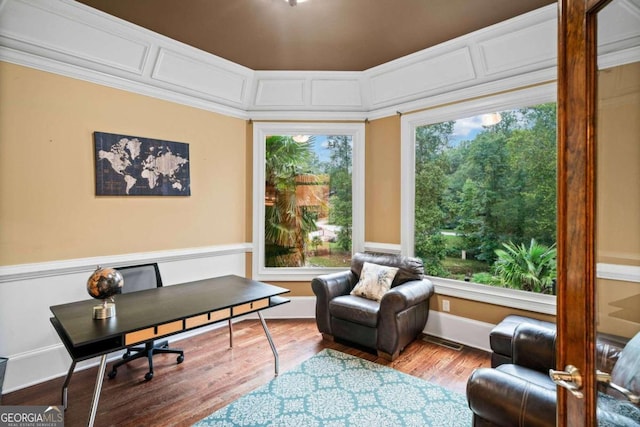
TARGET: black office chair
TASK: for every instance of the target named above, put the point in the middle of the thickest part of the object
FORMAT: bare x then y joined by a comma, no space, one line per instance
140,278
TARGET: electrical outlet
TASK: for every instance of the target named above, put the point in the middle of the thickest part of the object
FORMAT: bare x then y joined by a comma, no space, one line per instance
445,305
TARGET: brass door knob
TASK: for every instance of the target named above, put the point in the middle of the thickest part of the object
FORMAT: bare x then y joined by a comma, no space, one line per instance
570,378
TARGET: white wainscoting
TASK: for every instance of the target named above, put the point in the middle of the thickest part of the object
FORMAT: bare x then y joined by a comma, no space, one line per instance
26,336
469,332
36,353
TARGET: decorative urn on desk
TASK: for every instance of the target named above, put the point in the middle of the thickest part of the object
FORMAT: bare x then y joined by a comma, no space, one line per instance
103,284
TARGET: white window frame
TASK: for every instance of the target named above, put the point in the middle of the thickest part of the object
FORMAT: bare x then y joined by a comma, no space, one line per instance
529,301
260,132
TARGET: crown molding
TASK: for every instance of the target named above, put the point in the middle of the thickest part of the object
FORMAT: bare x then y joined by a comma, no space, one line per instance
71,39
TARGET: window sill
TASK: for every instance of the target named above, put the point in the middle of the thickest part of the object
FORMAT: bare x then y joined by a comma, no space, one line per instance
513,298
545,304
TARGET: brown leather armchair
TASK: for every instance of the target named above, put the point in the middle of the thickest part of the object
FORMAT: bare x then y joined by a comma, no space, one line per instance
386,326
521,393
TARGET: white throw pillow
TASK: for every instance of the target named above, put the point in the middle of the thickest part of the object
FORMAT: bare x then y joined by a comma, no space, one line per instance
375,281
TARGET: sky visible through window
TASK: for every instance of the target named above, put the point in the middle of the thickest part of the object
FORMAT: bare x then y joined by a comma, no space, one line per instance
320,147
466,129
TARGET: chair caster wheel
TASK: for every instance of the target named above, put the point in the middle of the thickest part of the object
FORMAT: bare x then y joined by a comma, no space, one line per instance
148,376
112,374
180,358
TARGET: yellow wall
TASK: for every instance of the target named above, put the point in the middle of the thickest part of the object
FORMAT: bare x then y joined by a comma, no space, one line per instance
49,211
482,312
48,207
618,174
618,197
382,181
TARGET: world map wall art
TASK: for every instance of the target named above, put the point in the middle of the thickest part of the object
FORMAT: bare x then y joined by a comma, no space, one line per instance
135,166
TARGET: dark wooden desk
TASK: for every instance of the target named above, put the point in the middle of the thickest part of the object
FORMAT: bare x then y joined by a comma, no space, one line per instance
157,313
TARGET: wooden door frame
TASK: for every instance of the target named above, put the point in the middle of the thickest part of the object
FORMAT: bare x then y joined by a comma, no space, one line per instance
577,91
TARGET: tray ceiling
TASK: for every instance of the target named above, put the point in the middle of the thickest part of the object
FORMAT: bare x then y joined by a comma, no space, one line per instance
317,35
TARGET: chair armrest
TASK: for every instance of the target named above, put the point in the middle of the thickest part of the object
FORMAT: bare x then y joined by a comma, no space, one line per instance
403,313
326,288
534,347
505,400
406,295
332,285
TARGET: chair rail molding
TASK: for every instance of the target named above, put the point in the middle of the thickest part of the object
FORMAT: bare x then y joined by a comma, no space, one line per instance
12,273
624,273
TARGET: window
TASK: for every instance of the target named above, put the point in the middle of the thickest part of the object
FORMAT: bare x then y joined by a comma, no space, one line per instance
308,198
479,197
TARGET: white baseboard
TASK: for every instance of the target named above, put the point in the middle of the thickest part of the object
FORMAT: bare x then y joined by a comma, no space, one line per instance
469,332
44,364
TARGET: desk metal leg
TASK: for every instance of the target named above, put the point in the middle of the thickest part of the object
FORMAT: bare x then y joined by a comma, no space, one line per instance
66,384
273,347
96,391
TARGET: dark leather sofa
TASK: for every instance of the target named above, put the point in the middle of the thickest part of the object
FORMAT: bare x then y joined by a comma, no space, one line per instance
386,326
521,393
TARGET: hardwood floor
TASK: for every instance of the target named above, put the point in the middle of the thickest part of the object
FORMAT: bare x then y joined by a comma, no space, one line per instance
214,375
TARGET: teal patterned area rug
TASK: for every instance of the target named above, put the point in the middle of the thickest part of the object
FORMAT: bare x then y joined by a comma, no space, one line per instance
333,389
